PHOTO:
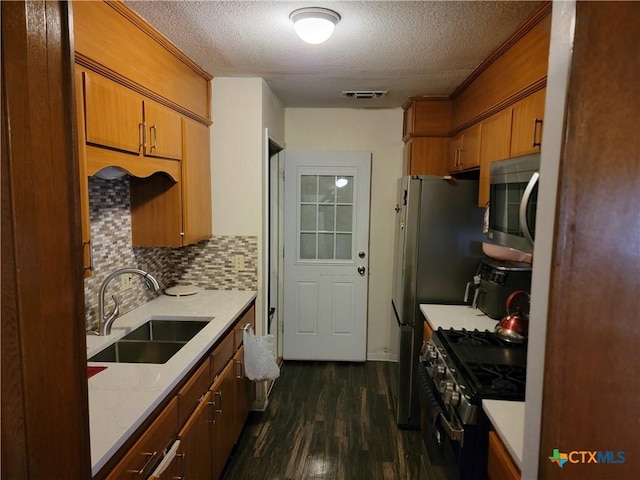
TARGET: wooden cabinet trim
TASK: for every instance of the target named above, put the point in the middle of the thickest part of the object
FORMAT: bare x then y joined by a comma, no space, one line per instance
126,12
141,167
532,21
119,40
100,69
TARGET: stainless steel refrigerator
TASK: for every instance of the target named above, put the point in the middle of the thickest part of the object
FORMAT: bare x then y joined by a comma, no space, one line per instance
438,246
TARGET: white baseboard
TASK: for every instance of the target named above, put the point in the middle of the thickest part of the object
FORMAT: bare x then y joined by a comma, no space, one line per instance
382,357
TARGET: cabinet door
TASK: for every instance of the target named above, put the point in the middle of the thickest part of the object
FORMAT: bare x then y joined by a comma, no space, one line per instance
87,263
500,466
164,131
426,156
245,392
526,130
494,145
469,156
196,439
224,401
113,114
196,182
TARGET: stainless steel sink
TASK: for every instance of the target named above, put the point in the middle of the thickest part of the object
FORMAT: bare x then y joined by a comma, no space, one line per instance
138,351
155,341
158,329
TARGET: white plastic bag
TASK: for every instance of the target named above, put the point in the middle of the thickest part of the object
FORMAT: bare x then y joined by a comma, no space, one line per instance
259,357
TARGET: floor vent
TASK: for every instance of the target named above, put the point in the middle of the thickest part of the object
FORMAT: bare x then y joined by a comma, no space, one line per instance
364,93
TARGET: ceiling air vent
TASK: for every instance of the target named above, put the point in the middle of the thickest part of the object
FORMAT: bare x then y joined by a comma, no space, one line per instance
364,93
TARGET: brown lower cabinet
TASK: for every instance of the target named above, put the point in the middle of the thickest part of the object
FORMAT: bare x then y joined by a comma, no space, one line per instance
500,465
206,414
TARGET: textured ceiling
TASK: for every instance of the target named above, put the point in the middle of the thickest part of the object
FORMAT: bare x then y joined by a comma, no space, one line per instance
407,48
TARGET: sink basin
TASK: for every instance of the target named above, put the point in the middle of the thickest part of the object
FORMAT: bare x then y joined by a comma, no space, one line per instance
155,341
168,329
138,351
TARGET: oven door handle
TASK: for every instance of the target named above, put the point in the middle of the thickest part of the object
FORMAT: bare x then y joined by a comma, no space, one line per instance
455,434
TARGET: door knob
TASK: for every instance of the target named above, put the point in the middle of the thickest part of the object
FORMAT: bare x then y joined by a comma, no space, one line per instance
361,270
361,254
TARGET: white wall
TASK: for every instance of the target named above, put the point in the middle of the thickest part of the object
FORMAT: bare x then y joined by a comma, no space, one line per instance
380,132
241,109
236,156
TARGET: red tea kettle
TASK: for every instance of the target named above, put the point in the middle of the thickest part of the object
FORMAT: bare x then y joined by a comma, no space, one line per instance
514,326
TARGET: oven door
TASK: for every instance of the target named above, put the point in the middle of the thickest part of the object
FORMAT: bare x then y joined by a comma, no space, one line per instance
449,446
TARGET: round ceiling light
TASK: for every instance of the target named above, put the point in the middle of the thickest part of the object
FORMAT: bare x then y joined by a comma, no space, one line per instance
314,25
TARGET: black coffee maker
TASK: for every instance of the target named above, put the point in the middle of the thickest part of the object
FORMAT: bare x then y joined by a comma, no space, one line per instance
492,284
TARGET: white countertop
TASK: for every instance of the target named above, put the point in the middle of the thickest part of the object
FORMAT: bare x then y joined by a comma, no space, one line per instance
123,395
508,420
456,317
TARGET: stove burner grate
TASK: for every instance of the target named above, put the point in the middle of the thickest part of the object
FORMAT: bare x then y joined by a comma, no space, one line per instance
498,381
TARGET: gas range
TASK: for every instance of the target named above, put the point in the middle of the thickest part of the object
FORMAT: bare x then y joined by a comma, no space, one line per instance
468,366
457,370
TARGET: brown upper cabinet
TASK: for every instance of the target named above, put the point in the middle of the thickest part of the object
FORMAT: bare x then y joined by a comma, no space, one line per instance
427,116
526,128
143,106
496,113
425,156
121,119
494,145
464,150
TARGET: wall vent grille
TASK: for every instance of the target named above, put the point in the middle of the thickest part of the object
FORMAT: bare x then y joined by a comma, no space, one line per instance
364,94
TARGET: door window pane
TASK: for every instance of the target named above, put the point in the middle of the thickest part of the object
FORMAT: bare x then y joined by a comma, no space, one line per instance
343,246
325,246
326,207
308,218
309,188
308,245
345,189
344,218
325,218
327,189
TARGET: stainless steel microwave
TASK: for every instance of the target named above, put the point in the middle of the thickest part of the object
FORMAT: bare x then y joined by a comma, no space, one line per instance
513,199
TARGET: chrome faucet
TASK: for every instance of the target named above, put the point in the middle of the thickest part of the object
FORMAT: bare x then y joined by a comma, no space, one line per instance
106,321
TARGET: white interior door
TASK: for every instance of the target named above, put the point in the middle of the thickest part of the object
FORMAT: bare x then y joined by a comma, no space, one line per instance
326,254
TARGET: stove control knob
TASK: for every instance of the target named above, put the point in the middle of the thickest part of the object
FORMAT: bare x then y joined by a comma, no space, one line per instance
443,386
455,399
433,355
441,370
448,387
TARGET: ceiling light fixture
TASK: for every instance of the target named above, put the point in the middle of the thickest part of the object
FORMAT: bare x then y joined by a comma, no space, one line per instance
314,24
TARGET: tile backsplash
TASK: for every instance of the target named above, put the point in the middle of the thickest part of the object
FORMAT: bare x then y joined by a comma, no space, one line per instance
207,264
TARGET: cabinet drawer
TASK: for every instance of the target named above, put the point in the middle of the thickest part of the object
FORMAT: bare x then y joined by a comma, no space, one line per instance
221,355
248,317
148,450
189,395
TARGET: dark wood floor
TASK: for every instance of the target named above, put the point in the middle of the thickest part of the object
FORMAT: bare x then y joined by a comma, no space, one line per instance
327,420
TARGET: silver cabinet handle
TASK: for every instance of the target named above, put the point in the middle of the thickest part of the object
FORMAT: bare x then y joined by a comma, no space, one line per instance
524,203
154,142
142,134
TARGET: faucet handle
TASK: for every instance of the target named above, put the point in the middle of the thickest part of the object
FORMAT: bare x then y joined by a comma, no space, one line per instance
116,310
